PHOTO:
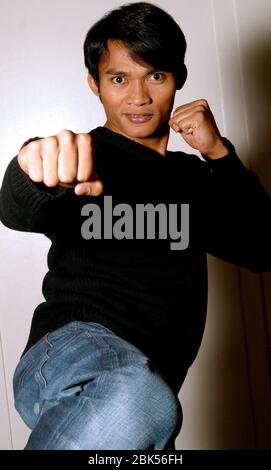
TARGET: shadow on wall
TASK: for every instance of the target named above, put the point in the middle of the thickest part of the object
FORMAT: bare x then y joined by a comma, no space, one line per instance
255,292
257,75
233,410
255,288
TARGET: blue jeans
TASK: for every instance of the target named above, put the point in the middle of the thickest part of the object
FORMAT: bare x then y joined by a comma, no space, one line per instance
82,387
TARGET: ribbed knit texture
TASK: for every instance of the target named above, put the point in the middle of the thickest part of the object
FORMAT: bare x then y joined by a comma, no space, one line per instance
142,290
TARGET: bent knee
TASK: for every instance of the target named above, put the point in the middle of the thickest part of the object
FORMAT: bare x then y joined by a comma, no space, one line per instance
159,403
148,404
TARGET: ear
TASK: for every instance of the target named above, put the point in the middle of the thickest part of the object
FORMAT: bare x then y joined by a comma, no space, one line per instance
93,85
183,78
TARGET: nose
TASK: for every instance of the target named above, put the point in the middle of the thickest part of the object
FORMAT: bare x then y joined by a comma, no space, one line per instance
138,93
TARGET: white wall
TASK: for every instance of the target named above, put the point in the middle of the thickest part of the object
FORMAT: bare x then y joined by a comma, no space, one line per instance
226,397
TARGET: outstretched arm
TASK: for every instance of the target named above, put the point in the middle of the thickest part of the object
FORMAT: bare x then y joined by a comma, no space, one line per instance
47,172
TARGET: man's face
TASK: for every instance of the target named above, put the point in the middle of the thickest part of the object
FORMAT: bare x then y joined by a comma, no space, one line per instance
137,99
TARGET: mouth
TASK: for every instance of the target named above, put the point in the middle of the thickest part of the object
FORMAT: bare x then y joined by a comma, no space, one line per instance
138,118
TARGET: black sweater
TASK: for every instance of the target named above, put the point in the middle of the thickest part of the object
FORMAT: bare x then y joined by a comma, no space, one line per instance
150,295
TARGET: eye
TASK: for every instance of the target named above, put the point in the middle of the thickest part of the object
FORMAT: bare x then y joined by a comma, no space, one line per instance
118,79
157,76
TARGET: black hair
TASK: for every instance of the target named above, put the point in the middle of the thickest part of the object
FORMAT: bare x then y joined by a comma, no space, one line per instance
150,34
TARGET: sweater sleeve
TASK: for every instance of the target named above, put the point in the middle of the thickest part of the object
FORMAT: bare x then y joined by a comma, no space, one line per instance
28,206
238,214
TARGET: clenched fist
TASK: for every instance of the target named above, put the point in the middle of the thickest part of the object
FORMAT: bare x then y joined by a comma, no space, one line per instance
197,125
65,159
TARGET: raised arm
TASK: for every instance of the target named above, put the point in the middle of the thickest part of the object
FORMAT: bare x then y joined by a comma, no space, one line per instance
235,209
237,215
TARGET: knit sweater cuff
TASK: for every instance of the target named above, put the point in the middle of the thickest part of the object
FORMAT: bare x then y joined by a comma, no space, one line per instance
229,163
28,193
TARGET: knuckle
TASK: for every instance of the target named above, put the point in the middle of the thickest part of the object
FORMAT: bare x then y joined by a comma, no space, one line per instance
49,142
204,103
66,134
22,156
200,109
83,138
34,147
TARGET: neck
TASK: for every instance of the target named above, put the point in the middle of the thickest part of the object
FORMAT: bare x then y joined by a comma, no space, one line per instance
157,141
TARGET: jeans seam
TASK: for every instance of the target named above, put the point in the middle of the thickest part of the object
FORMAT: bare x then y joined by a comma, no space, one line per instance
39,377
22,377
102,327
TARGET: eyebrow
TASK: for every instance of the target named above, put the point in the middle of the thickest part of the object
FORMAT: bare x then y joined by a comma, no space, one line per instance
113,71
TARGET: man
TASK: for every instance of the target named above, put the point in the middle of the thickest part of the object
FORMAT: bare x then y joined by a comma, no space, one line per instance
124,313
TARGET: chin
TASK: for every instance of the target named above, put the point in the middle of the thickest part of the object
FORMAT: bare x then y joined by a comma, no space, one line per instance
141,130
139,133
